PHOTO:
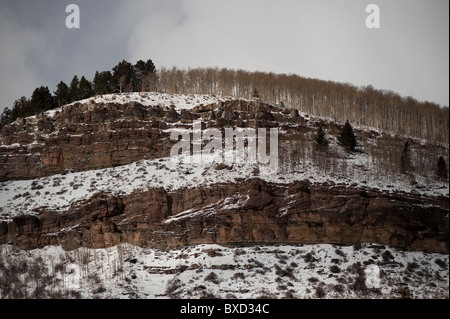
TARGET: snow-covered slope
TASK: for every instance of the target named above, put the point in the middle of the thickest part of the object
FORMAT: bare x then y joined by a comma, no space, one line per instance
304,271
212,271
178,101
58,192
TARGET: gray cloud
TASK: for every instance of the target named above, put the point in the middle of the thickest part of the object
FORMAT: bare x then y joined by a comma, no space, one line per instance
37,48
324,39
15,70
321,39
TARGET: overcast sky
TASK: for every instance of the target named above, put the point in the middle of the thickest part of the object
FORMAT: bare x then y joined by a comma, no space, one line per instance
325,39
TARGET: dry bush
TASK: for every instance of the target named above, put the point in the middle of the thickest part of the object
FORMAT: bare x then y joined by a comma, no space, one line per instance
212,277
172,287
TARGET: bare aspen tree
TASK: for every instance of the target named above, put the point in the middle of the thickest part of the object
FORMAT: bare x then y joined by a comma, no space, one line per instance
385,110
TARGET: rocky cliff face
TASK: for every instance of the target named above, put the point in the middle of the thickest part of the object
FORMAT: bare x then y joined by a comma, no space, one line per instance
93,135
81,137
293,207
246,213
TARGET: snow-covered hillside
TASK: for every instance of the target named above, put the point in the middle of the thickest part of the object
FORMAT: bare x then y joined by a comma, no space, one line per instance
178,101
59,191
301,271
212,271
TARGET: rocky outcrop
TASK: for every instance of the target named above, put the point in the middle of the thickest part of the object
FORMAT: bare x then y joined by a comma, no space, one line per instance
86,136
82,137
246,213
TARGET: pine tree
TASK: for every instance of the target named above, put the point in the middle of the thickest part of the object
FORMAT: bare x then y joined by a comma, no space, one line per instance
21,108
41,100
441,169
123,75
85,88
62,94
103,83
74,89
321,139
256,94
6,117
142,72
347,138
405,161
139,78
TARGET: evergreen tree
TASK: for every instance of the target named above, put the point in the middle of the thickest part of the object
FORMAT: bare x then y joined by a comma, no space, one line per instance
21,108
62,94
441,169
123,74
75,89
98,84
41,100
103,83
321,139
347,138
142,72
150,66
85,88
139,80
405,161
6,117
256,94
139,76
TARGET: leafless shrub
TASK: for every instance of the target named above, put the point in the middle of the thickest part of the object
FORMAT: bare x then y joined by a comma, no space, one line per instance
359,284
338,288
212,277
320,292
411,266
35,185
56,182
239,252
264,294
387,256
282,287
290,294
339,252
239,275
99,290
309,258
61,191
256,263
335,269
172,287
284,272
282,258
74,294
207,295
441,263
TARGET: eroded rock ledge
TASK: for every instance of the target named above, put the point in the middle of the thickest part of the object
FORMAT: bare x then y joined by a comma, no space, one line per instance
244,213
89,136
